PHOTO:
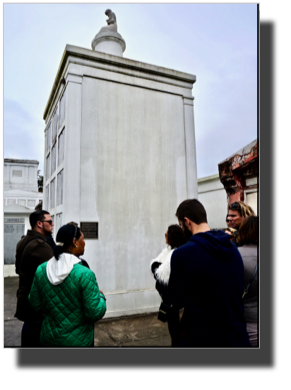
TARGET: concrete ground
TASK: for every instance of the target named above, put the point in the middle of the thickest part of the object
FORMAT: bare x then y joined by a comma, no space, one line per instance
132,331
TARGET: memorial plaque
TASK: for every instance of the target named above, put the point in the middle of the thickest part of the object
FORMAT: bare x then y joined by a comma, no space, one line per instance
89,229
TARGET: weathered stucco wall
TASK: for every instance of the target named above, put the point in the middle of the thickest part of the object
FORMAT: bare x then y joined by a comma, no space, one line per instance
212,195
129,160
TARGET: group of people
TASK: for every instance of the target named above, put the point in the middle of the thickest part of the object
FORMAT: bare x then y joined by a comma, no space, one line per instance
207,279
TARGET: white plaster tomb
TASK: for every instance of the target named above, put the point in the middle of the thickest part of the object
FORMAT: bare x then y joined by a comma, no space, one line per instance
120,152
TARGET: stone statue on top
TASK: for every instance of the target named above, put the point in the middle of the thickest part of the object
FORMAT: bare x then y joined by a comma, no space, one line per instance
111,22
108,40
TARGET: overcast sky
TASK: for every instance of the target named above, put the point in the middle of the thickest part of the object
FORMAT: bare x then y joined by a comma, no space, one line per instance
215,42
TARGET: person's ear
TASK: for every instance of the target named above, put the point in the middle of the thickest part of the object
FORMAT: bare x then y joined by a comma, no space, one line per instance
75,242
39,224
187,222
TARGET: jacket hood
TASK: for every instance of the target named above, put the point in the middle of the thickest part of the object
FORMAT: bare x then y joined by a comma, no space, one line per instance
58,270
216,243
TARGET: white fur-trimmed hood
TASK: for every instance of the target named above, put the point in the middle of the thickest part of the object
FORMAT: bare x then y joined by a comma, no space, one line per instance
162,273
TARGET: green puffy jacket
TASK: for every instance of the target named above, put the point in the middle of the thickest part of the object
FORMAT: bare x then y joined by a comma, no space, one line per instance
69,309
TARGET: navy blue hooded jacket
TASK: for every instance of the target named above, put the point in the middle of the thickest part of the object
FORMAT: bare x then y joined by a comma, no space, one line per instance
207,278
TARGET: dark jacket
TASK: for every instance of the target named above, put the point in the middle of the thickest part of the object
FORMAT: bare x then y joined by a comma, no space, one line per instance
51,241
207,278
31,251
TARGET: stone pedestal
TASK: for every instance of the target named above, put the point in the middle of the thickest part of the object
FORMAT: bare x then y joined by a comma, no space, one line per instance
109,42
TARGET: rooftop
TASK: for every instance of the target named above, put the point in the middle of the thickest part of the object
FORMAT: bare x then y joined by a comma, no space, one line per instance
17,161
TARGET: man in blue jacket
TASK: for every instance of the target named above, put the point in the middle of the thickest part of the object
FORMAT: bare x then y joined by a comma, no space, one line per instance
207,278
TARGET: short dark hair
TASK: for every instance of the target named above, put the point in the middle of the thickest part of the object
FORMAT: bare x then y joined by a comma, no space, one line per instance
176,236
244,209
192,209
36,216
248,232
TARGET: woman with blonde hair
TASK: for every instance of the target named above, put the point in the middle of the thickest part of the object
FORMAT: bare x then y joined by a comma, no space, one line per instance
237,212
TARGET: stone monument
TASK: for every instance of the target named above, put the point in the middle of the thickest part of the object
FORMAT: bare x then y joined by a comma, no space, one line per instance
108,40
119,158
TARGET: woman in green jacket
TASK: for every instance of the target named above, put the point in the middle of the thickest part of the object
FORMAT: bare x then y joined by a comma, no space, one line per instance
67,294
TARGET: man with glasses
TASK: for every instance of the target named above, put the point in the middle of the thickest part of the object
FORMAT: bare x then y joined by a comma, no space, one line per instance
31,251
237,212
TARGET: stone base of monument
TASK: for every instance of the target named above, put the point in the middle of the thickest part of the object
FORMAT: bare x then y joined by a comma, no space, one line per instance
109,42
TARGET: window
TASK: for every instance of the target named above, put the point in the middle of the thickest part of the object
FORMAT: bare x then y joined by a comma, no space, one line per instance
48,167
17,173
58,222
62,108
30,203
55,124
48,138
46,197
52,194
60,189
61,146
54,158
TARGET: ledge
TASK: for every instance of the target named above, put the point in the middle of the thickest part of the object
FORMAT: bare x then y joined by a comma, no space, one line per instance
16,161
119,62
208,178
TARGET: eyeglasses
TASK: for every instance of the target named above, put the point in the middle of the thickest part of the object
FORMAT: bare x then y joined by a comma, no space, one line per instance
234,205
49,221
72,223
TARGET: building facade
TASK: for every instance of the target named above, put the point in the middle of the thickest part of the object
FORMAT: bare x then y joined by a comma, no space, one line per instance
21,196
20,183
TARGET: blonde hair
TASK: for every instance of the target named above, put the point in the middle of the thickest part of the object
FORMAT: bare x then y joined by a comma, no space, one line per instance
244,209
